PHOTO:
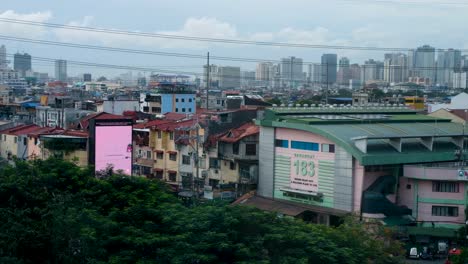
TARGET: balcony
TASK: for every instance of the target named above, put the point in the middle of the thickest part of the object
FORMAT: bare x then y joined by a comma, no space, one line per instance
447,171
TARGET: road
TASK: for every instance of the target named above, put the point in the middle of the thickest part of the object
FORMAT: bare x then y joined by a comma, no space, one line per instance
438,261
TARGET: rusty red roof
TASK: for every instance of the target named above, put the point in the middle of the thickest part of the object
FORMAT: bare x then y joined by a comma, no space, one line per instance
20,130
236,134
151,123
174,116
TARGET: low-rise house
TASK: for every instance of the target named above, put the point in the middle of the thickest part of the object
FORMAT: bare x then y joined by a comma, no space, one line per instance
12,144
238,156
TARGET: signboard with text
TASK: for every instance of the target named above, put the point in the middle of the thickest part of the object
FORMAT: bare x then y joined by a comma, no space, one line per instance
304,175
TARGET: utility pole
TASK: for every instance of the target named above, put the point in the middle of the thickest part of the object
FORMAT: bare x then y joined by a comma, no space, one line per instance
208,69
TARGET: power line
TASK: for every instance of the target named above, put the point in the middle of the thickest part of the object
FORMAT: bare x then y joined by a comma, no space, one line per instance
200,39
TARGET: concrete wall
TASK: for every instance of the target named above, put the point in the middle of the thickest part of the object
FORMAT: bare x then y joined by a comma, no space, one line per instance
118,107
418,196
169,104
266,161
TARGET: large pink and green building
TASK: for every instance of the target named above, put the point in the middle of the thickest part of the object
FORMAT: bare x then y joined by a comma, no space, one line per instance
383,162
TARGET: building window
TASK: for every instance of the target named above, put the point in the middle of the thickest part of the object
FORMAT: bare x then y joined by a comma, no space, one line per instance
185,159
159,155
214,163
190,110
148,154
173,156
177,110
145,109
16,139
452,187
172,176
444,211
330,148
311,146
282,143
232,165
159,175
183,110
190,100
177,100
171,135
235,148
182,100
250,149
159,134
156,109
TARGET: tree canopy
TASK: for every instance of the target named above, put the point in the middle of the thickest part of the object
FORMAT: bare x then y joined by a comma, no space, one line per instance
55,212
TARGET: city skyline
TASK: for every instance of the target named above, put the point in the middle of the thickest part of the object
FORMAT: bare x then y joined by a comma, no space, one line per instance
362,28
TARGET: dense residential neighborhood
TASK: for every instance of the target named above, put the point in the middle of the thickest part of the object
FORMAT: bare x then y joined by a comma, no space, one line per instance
235,137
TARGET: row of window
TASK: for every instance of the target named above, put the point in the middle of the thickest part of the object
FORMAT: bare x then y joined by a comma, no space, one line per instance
183,100
303,145
444,210
451,187
183,110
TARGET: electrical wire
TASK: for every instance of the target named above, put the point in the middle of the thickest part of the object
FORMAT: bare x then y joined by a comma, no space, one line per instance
200,39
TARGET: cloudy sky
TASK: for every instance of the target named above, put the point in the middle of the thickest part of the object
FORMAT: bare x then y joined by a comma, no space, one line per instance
385,23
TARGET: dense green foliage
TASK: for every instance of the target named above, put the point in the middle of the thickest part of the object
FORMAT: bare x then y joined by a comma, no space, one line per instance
54,212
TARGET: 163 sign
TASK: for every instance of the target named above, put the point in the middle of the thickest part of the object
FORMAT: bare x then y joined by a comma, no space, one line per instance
304,173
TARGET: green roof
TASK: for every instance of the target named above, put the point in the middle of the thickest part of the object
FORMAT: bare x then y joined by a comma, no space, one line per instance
379,152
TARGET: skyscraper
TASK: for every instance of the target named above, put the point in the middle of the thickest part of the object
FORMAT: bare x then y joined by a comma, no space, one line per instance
263,72
424,62
229,77
291,71
61,70
395,67
344,72
3,58
448,61
329,65
22,63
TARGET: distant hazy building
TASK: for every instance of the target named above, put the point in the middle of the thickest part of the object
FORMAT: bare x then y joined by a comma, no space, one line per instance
87,77
355,70
61,70
213,76
22,63
329,66
3,58
229,77
248,79
263,71
460,80
424,63
372,71
448,61
395,68
291,71
344,72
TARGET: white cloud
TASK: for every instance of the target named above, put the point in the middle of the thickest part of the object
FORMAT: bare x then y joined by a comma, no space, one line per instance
22,30
193,27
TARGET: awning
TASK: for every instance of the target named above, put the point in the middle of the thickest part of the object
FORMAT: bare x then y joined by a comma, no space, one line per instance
172,152
171,171
432,231
159,151
158,169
